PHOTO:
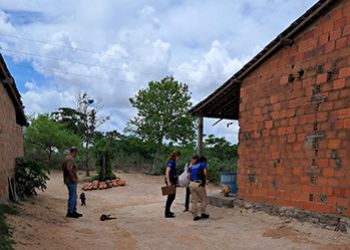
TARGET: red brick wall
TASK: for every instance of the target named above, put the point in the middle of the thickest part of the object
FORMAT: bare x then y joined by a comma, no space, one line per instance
277,164
11,141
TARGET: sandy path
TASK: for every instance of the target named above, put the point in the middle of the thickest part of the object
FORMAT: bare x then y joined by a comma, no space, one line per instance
141,225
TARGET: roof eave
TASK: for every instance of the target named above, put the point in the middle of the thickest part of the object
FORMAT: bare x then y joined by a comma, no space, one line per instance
10,86
280,41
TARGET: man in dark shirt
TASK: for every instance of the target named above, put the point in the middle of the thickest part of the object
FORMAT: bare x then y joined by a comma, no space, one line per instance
70,178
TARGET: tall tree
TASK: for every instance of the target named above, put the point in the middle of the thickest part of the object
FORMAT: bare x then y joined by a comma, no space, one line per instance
46,135
90,122
163,114
71,119
104,148
82,121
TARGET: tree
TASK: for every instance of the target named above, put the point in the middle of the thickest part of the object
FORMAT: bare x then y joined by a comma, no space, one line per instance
48,136
221,148
71,119
222,156
163,114
104,150
81,121
89,121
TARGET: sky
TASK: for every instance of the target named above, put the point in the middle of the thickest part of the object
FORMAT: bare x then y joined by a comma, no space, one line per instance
56,49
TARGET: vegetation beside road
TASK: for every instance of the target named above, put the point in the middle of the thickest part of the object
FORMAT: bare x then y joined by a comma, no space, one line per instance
162,123
5,241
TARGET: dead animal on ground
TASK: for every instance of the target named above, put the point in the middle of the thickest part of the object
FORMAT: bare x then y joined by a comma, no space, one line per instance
107,217
83,199
225,191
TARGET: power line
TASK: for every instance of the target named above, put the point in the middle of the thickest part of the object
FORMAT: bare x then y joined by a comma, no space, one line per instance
126,58
79,49
75,62
120,70
58,72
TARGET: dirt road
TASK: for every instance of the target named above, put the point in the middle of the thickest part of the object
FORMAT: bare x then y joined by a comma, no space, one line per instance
140,223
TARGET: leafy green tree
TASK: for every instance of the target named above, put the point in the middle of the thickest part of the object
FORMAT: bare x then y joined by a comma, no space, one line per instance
71,119
222,156
163,114
104,150
220,148
48,137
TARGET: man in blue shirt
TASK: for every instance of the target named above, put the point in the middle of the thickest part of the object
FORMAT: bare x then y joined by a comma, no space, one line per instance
199,179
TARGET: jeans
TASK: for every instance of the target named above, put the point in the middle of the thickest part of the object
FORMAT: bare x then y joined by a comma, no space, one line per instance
72,198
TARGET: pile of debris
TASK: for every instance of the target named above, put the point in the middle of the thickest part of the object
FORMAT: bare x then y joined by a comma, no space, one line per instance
327,221
94,185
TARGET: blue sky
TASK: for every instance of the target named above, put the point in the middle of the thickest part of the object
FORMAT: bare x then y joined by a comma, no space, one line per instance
23,72
111,49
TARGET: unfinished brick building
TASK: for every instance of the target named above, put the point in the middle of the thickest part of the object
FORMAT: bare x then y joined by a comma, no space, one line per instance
292,102
12,119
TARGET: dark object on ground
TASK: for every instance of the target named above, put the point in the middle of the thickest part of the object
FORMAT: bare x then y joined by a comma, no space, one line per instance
197,218
71,215
83,199
205,216
342,227
169,216
107,217
78,214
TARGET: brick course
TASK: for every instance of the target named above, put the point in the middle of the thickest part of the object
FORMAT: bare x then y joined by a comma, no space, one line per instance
279,163
11,141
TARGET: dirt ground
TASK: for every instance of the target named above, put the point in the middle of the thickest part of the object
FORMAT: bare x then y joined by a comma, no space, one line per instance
140,224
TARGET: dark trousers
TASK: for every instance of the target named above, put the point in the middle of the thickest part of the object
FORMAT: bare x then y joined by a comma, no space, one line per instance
187,199
169,202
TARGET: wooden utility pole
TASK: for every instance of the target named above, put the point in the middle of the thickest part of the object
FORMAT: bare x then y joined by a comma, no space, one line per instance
200,136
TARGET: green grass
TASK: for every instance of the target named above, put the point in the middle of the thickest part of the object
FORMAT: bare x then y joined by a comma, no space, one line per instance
5,242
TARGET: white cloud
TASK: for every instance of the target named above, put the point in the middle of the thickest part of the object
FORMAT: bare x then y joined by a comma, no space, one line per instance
44,100
113,48
30,85
5,25
209,71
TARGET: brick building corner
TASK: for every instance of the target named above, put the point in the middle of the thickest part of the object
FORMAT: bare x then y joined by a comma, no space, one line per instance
11,124
292,102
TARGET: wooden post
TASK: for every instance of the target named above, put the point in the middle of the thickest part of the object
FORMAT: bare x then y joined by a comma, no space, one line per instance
200,136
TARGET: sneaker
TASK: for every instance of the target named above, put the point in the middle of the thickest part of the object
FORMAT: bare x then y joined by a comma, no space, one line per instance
197,218
78,214
72,215
169,216
205,216
186,210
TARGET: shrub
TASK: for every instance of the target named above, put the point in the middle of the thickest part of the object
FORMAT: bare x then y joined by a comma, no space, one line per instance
5,242
217,166
30,175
